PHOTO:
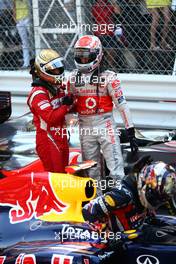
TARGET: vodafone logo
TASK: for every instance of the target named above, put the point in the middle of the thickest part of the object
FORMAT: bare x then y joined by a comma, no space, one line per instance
147,259
90,103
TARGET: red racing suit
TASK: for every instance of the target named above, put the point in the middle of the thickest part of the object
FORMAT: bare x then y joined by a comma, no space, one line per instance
49,119
94,100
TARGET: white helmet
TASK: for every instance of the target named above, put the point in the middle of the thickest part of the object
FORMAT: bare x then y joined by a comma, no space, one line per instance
49,66
88,47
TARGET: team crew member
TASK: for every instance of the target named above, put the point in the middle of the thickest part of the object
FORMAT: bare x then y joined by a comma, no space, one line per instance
49,105
132,206
95,92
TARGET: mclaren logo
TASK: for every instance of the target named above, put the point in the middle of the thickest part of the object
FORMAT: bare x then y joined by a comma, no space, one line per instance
147,259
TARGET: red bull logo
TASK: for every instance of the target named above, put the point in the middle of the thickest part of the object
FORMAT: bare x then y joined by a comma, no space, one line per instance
30,195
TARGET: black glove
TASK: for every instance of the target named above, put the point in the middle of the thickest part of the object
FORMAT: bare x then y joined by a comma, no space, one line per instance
132,139
67,100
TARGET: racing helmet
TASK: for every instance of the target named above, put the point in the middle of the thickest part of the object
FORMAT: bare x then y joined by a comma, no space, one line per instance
49,66
88,53
156,184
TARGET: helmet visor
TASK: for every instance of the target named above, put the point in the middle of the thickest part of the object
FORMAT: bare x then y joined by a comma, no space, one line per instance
54,67
84,56
169,186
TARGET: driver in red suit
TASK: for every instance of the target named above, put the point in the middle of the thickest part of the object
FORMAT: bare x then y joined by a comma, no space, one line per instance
132,205
49,105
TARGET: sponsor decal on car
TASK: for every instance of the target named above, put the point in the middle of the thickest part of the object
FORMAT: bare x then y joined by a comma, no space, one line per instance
29,196
31,259
147,259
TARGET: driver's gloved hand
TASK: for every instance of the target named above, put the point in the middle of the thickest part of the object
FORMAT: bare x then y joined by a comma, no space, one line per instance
67,100
132,139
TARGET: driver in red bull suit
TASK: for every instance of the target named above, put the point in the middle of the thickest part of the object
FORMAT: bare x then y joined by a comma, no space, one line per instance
132,205
49,105
95,92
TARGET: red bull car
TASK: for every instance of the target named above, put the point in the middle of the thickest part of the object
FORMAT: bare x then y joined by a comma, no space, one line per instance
41,222
40,212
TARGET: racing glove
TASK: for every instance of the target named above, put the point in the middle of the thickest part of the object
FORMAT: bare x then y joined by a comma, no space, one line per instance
132,139
67,100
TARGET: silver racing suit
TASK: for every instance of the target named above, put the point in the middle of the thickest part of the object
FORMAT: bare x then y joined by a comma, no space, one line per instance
94,100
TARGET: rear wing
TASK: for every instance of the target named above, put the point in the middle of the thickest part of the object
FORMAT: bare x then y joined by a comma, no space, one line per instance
5,106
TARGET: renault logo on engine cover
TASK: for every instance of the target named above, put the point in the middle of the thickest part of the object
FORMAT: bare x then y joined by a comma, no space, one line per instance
147,259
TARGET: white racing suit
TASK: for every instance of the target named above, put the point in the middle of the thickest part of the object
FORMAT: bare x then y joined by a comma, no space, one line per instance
94,103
